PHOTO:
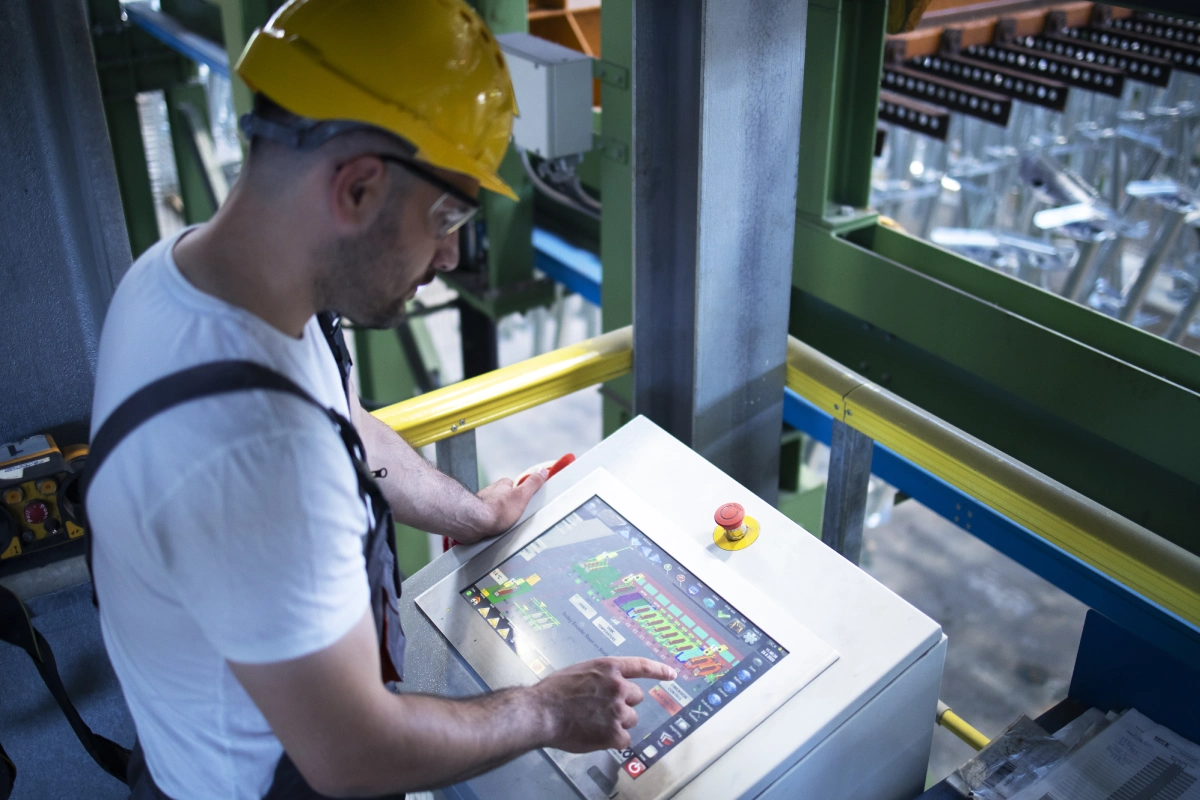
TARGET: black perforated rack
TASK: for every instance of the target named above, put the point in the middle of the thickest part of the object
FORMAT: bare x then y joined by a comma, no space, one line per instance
1027,87
1093,77
960,97
1155,71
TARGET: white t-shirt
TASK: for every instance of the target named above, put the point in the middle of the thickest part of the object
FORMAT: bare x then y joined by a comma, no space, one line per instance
226,529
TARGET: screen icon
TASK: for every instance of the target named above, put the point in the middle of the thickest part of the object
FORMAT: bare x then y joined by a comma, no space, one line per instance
693,590
634,767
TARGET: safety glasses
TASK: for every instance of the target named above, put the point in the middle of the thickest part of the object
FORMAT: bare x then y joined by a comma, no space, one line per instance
452,210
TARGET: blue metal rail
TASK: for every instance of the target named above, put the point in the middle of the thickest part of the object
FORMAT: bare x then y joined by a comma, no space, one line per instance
1075,577
573,267
171,33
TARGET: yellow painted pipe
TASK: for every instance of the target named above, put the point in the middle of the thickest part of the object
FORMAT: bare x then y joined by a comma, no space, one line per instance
959,727
468,404
1134,556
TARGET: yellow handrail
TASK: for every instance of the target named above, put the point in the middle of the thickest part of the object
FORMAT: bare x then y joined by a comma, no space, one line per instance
1130,554
1138,558
468,404
960,727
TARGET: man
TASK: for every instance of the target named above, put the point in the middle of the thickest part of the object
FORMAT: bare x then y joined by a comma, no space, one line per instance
229,530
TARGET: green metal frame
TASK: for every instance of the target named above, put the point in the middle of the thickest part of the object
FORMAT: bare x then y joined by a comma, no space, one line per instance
1106,409
616,189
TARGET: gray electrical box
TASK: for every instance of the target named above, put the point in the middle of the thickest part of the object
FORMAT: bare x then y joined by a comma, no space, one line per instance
553,85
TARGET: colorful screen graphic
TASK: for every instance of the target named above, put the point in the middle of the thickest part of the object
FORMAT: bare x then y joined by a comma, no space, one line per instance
594,585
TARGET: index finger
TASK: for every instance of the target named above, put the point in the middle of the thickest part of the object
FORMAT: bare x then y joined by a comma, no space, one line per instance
637,667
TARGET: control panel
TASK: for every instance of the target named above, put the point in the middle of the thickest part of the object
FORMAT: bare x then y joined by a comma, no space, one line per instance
37,489
797,674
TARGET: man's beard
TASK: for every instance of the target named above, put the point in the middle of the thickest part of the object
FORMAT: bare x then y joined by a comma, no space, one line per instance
365,281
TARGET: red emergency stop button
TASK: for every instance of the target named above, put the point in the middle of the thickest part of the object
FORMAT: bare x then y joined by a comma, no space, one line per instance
36,512
730,516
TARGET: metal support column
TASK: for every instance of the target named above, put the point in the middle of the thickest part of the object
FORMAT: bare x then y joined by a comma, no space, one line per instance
480,349
716,126
1172,225
846,490
456,457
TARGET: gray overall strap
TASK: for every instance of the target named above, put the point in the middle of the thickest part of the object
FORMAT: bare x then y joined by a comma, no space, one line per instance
220,377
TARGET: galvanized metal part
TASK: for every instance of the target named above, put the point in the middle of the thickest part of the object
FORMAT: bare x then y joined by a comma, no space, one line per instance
714,212
846,490
1083,271
457,458
1183,320
1174,219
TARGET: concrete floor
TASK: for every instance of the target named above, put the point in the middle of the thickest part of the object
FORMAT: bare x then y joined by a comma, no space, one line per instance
1012,636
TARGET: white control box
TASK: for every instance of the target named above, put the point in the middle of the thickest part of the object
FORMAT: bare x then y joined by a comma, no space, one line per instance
847,713
553,85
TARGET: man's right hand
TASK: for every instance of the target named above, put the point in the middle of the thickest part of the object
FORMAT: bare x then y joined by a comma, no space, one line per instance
590,704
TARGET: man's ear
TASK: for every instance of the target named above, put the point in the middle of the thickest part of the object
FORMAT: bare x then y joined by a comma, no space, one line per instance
357,192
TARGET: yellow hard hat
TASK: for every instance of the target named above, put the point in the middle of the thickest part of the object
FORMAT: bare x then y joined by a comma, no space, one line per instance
427,70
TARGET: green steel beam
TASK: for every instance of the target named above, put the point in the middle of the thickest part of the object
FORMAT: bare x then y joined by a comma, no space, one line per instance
841,91
193,188
616,187
239,18
1102,407
510,227
133,174
1153,497
1132,345
129,61
1029,368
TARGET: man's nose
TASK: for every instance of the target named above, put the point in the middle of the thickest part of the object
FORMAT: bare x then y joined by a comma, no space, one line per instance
445,258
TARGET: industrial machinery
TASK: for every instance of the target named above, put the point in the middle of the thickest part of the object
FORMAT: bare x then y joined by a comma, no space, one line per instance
1056,144
978,227
789,657
39,492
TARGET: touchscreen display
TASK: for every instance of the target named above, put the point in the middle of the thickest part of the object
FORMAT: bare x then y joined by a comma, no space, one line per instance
593,585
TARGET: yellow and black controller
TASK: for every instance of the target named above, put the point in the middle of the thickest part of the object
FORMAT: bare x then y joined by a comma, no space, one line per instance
38,503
